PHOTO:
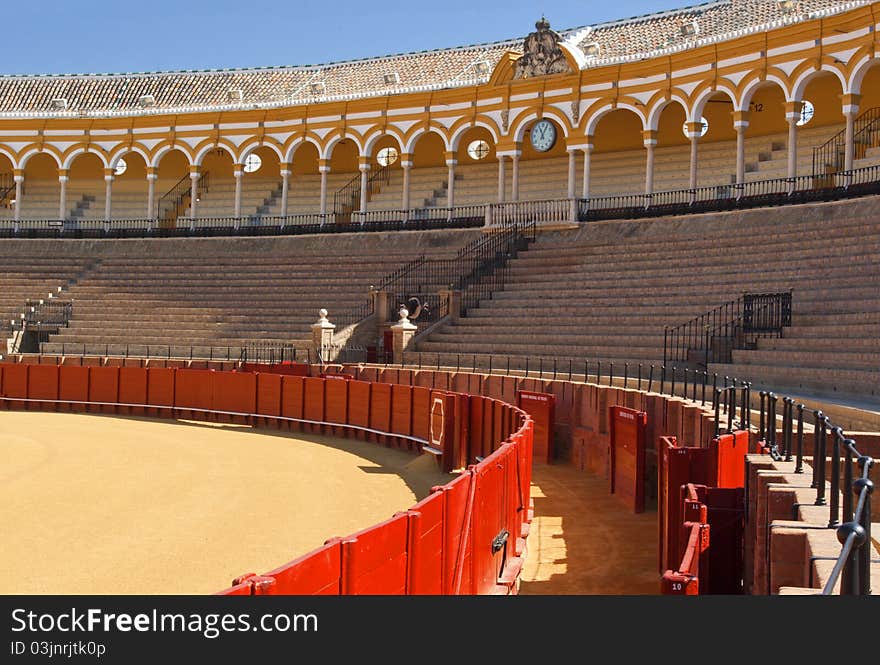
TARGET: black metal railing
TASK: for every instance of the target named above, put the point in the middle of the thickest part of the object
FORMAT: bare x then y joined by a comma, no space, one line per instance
7,188
347,198
778,191
172,203
713,335
848,500
45,315
477,270
829,157
273,352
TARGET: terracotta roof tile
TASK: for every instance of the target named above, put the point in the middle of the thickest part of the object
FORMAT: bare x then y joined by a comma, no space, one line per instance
119,94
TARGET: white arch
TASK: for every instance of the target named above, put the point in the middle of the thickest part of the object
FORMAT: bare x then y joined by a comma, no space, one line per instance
695,114
656,111
213,146
854,85
123,150
746,97
165,149
605,110
328,149
419,133
8,153
81,151
455,139
800,84
297,142
374,138
253,146
25,158
519,129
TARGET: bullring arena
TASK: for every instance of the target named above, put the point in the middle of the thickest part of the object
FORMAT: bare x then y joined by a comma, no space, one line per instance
590,311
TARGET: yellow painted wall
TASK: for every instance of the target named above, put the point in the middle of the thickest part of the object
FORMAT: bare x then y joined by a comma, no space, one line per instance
669,127
824,92
767,111
41,167
430,151
305,159
618,130
218,163
87,167
345,157
719,114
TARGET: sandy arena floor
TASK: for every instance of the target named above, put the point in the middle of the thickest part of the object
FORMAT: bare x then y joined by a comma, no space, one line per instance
111,505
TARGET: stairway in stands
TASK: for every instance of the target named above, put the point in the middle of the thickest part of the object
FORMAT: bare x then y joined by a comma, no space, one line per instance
606,290
236,292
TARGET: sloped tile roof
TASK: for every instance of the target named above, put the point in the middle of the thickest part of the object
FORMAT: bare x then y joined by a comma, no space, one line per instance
188,91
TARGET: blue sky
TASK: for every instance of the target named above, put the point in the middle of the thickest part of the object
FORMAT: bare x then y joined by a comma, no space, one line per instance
97,36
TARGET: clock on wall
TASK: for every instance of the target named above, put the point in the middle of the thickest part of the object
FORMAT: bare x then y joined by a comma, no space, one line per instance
543,135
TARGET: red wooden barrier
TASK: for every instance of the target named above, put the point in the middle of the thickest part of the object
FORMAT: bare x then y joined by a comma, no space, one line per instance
374,561
104,387
73,384
627,455
541,407
730,453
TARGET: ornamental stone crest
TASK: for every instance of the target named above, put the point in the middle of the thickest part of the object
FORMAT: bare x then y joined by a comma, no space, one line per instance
542,54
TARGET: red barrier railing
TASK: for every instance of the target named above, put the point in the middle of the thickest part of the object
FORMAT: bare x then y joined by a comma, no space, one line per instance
466,537
692,568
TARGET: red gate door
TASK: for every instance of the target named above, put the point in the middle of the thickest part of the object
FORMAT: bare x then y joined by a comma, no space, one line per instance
627,455
541,407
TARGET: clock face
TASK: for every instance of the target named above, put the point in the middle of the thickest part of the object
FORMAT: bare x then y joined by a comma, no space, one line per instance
543,135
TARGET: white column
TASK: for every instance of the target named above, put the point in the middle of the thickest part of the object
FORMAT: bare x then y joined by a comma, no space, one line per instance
285,190
406,165
572,165
450,188
792,147
514,179
793,115
324,169
850,112
237,174
741,128
695,146
62,204
108,196
588,153
501,178
19,191
649,165
193,194
151,195
365,183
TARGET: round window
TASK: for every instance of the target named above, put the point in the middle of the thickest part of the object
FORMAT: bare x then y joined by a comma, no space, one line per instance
387,156
478,150
121,166
252,163
703,128
806,113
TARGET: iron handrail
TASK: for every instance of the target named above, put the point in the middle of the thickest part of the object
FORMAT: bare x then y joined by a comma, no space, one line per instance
752,314
828,157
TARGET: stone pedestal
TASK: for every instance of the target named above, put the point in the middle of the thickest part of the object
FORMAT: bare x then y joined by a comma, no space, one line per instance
322,336
454,299
404,331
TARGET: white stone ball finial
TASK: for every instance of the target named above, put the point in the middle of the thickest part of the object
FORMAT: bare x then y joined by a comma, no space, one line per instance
322,314
404,314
